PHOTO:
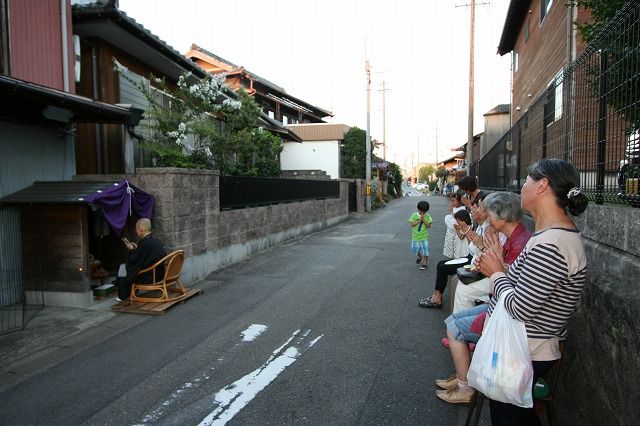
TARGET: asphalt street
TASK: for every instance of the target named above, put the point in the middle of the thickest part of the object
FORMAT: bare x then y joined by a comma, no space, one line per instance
322,330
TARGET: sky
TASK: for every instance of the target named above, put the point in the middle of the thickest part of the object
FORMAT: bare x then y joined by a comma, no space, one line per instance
317,50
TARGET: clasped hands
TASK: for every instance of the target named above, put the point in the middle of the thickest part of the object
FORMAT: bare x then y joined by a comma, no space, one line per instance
491,259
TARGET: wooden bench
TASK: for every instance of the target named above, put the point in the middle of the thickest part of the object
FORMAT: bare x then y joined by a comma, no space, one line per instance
169,286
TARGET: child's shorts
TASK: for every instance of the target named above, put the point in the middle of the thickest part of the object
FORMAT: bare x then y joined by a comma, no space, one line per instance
421,247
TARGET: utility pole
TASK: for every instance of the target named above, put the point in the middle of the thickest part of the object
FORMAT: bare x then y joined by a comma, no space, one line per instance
384,120
470,158
471,91
367,68
418,165
436,145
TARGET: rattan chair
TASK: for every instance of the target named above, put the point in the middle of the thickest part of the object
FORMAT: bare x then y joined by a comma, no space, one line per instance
169,285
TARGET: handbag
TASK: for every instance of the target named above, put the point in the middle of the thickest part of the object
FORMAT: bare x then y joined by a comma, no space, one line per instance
501,365
467,276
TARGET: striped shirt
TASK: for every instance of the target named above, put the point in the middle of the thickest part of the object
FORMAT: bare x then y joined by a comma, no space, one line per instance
548,277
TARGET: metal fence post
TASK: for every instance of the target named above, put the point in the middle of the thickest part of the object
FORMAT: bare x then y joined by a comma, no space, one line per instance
602,126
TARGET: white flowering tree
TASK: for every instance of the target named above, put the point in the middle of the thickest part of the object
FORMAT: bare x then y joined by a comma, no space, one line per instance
201,128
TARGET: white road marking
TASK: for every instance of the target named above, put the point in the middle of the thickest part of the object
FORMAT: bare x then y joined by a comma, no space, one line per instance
231,399
251,333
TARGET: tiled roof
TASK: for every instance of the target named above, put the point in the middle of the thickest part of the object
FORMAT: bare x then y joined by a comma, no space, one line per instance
296,101
55,192
105,10
26,99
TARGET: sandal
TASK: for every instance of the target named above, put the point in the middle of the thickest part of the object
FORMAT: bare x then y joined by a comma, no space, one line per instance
428,303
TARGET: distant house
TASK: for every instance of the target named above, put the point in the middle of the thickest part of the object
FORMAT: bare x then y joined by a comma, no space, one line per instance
275,101
107,34
319,150
497,122
453,163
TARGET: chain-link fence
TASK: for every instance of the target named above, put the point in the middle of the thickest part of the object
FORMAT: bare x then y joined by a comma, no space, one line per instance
589,115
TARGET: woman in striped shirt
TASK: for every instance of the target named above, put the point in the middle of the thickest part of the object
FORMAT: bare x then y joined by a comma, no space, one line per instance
547,277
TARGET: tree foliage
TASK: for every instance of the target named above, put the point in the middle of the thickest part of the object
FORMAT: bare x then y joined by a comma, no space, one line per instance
442,173
602,11
354,154
396,173
425,173
201,129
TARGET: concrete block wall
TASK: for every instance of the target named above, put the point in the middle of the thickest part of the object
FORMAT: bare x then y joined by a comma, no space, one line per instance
185,199
601,365
187,216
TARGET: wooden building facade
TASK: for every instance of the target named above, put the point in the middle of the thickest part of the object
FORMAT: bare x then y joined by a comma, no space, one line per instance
274,100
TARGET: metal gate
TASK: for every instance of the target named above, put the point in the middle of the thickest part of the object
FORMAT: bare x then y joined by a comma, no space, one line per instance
15,316
353,196
16,306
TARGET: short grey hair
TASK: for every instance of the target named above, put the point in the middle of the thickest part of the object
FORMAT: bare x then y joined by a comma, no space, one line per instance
504,205
144,224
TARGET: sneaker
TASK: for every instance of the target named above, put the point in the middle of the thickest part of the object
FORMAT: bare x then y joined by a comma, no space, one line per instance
448,383
118,299
423,268
456,396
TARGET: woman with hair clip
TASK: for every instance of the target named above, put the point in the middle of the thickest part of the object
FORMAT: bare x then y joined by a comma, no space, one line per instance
543,286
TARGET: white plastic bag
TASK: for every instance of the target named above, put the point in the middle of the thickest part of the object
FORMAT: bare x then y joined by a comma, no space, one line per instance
501,366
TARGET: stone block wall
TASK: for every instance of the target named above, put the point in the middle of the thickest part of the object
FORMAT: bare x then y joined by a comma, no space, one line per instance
185,199
601,365
187,216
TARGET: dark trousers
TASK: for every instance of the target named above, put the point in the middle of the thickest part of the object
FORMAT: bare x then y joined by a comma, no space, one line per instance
443,271
124,287
503,414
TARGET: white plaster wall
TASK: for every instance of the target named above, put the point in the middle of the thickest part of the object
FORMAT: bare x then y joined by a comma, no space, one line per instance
312,155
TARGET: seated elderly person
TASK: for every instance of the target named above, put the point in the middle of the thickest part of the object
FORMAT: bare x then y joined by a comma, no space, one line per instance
465,326
145,253
504,218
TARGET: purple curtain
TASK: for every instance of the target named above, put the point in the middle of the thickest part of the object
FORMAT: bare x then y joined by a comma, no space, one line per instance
121,200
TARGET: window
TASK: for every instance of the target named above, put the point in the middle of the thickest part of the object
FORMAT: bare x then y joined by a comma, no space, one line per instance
558,96
553,106
545,5
271,115
515,61
285,119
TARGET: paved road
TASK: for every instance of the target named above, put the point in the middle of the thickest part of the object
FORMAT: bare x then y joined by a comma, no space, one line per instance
324,330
